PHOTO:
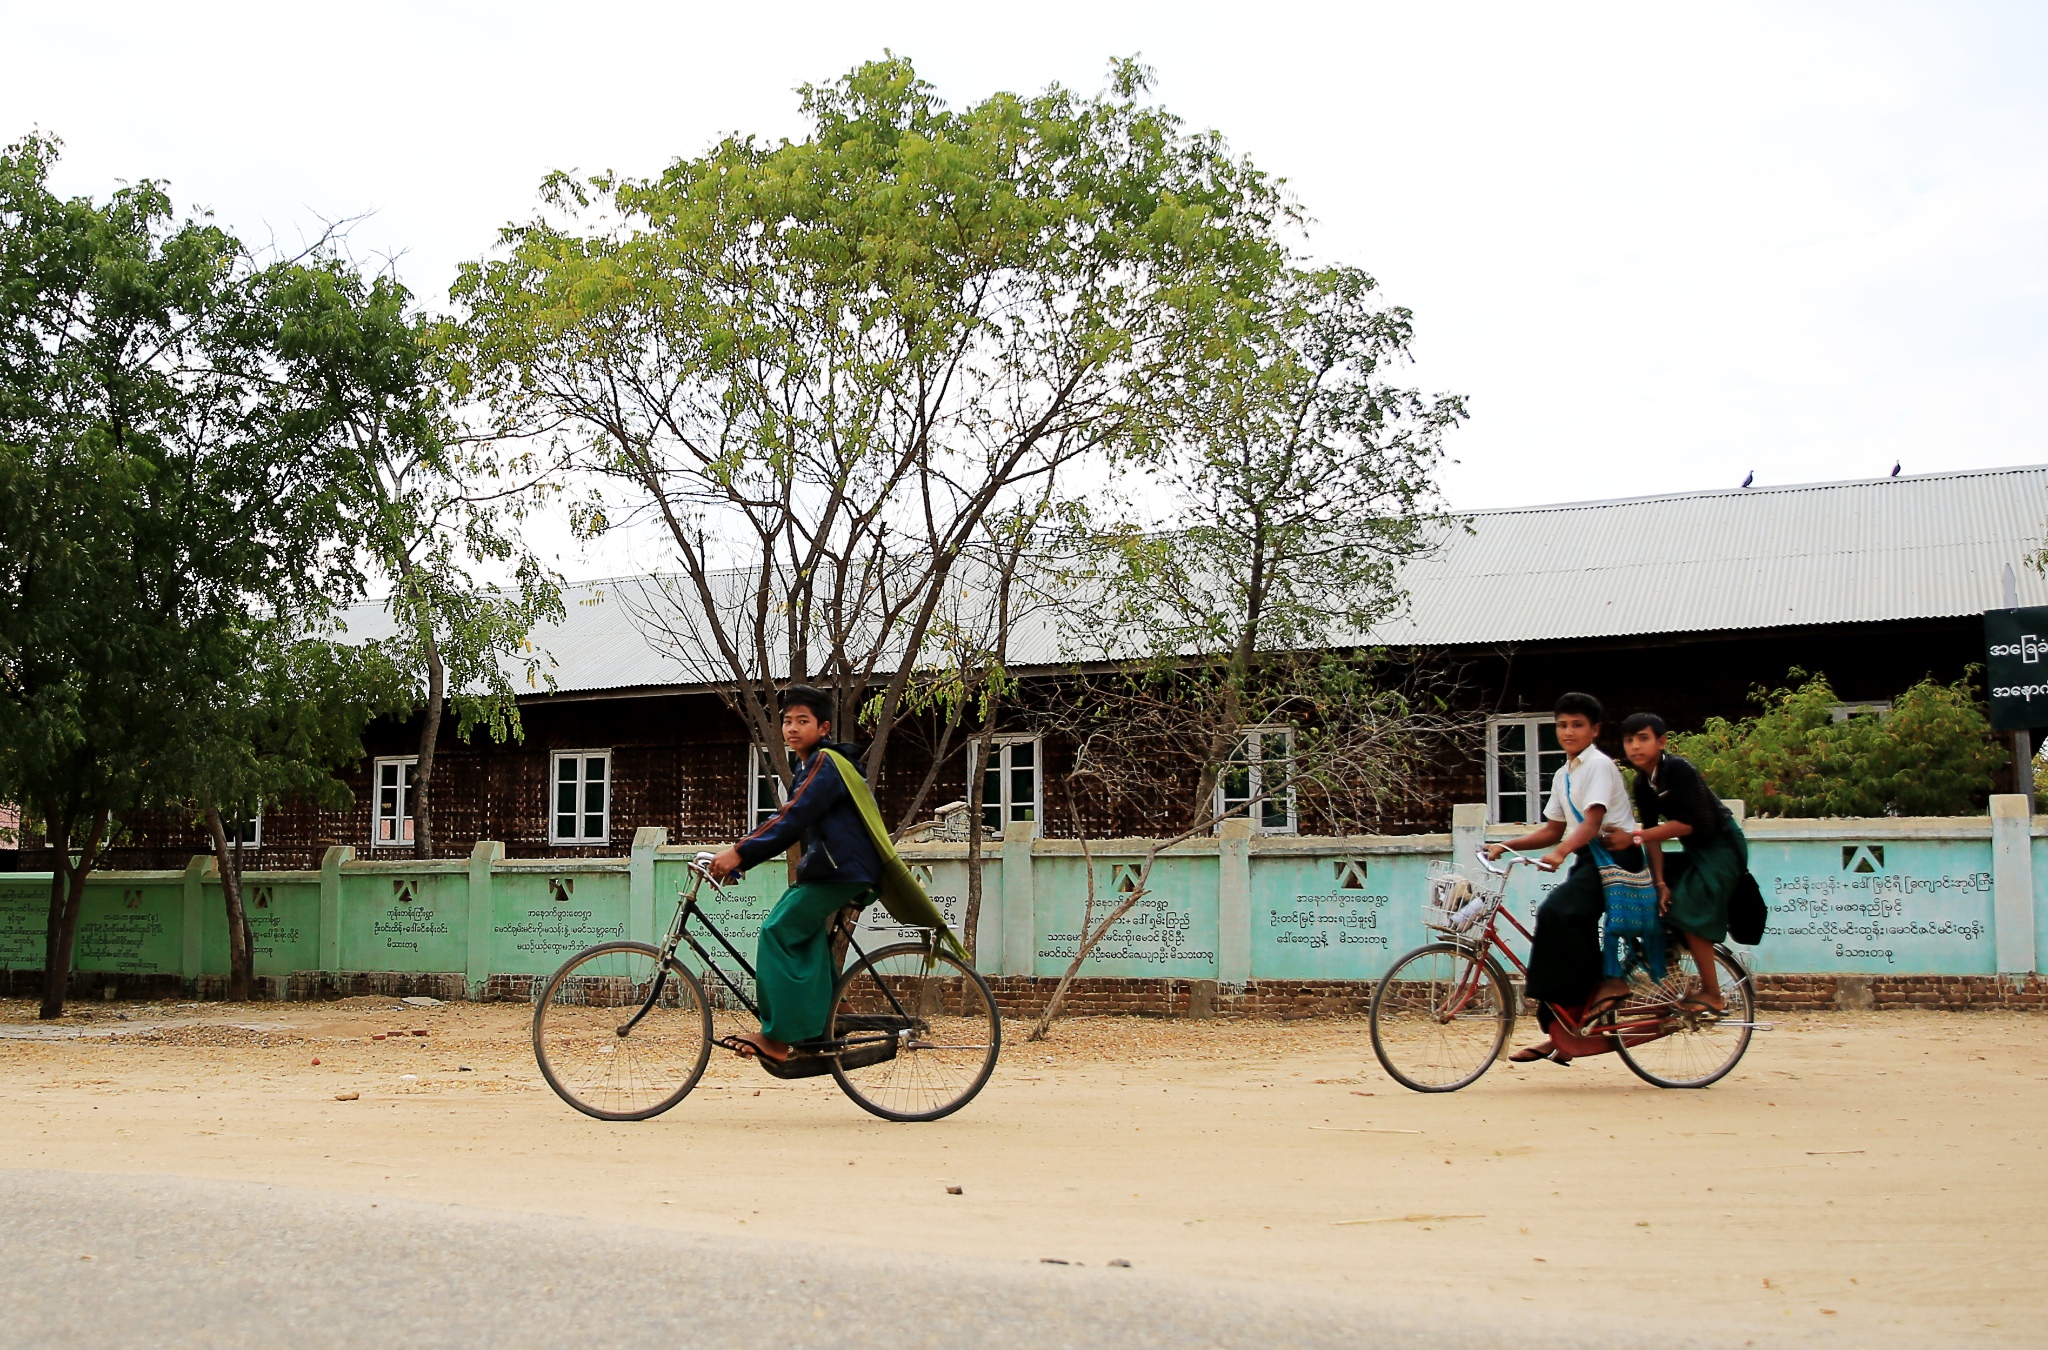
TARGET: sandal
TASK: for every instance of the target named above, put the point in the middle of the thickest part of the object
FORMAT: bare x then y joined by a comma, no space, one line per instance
1694,1003
1600,1007
1532,1055
753,1045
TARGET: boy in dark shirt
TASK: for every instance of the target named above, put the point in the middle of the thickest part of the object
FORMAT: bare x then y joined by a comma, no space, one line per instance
793,973
1673,802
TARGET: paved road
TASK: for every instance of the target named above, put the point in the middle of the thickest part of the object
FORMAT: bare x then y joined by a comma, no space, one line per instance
179,1262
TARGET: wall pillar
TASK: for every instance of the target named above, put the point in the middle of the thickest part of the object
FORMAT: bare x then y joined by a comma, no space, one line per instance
2012,883
1020,903
640,884
192,964
1468,835
330,905
486,852
1234,901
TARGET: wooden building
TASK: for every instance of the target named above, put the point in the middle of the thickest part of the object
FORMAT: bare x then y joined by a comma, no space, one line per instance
1678,604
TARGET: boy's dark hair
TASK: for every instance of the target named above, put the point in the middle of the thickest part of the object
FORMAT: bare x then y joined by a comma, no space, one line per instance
1585,705
808,696
1635,722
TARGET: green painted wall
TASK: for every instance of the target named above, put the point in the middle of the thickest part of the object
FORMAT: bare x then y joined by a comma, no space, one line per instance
1876,897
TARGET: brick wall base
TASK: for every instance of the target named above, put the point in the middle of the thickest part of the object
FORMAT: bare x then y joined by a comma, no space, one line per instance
1025,996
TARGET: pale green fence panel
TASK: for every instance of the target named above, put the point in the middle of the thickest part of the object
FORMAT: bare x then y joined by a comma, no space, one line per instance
1881,904
542,915
1171,932
404,918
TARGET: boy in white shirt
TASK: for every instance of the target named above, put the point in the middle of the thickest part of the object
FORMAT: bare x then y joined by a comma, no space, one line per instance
1588,802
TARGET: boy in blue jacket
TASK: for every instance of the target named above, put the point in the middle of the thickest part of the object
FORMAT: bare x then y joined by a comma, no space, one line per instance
793,973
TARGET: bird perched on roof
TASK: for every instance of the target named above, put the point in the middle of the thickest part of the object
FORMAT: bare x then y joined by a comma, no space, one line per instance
1751,479
1895,468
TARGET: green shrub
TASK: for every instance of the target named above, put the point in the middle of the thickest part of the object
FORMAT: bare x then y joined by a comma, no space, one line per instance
1932,755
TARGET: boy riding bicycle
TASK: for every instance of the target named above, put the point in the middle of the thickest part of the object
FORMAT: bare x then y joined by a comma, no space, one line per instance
793,973
1588,803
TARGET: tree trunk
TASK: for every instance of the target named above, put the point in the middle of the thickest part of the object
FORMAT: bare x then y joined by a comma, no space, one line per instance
977,775
67,896
423,773
241,946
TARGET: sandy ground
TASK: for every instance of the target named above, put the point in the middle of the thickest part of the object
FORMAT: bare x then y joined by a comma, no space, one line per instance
1862,1178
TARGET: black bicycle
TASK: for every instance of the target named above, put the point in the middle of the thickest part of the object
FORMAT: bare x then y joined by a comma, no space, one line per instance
623,1030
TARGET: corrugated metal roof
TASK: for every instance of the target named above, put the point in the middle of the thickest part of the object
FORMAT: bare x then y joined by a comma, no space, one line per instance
1919,547
1926,546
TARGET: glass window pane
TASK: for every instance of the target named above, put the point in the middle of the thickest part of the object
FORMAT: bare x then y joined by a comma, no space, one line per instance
565,798
565,769
565,827
1510,738
593,827
593,796
593,769
1273,812
1023,754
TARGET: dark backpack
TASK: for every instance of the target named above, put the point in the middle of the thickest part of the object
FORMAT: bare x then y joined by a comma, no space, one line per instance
1747,913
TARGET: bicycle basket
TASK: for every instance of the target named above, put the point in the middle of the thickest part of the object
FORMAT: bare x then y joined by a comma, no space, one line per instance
1454,904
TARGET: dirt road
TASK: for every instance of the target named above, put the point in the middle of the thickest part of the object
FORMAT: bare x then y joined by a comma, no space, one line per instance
1862,1178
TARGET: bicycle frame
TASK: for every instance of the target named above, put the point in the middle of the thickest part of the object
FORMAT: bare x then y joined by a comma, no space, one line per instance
687,908
1648,1025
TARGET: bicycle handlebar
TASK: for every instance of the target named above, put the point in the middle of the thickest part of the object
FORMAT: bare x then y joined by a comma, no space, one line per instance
1513,858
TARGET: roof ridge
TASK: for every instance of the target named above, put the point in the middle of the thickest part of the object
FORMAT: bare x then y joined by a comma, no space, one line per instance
1771,490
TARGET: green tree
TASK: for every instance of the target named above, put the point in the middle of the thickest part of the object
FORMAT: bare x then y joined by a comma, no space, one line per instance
1932,754
433,512
146,508
821,365
292,716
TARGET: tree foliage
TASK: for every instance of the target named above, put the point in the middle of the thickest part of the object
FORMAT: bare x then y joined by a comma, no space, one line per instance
1933,754
822,364
431,513
148,507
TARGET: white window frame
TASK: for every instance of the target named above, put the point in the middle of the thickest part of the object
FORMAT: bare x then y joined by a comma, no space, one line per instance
1001,755
402,821
761,770
581,760
251,830
1535,782
1253,754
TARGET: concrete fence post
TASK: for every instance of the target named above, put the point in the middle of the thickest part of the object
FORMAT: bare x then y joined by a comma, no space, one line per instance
193,962
640,883
1234,901
486,852
1468,835
330,905
2012,883
1020,900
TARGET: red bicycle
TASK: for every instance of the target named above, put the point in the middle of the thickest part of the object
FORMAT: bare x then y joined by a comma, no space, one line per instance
1443,1013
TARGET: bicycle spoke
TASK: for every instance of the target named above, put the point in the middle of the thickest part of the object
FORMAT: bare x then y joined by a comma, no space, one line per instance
584,1008
1440,1017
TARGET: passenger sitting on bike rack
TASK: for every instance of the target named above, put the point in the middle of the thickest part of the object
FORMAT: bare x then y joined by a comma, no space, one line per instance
793,974
1565,963
1674,802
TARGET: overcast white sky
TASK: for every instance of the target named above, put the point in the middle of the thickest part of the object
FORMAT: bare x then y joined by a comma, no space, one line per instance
1656,246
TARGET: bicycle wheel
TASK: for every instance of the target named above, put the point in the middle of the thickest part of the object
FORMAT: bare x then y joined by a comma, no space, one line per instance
613,1046
1693,1051
1440,1017
920,1031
